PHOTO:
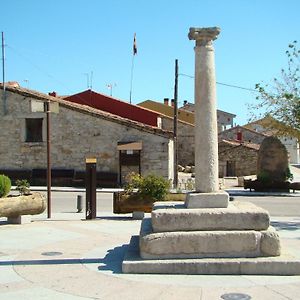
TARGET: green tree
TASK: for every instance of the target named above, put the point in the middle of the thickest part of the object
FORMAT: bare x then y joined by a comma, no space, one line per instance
280,100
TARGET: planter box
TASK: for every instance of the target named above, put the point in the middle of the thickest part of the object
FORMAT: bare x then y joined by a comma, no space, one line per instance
15,206
123,203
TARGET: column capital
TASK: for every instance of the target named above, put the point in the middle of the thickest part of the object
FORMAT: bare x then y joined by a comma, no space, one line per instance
204,36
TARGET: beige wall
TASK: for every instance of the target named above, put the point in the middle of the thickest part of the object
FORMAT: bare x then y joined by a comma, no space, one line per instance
75,136
185,140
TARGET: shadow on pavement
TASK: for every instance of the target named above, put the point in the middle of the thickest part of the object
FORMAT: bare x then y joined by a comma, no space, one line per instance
111,262
291,226
115,218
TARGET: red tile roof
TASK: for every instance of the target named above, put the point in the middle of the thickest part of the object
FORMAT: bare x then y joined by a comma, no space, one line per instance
115,106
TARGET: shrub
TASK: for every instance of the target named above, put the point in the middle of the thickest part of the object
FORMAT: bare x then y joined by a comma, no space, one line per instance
23,187
289,175
152,186
264,177
5,185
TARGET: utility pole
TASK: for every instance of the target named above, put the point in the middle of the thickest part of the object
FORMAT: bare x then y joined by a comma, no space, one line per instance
175,125
47,109
3,76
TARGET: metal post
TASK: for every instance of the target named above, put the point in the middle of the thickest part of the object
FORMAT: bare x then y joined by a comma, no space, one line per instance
175,182
79,203
90,178
3,76
48,160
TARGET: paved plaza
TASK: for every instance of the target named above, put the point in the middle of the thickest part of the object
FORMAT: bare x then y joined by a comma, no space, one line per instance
67,257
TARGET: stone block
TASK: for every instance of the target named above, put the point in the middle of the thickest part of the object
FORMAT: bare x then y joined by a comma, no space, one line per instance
198,244
238,216
270,242
207,200
138,215
20,220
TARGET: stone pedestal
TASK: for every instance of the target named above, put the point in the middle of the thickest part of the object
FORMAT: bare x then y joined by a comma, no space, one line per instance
207,200
233,240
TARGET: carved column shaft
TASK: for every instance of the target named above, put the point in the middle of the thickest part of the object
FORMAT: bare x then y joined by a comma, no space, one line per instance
206,131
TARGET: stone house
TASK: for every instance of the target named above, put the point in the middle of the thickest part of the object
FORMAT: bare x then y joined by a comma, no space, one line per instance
224,119
237,158
242,134
238,150
77,132
186,113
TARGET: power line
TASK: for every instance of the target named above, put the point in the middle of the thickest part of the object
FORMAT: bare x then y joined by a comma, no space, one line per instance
41,70
225,84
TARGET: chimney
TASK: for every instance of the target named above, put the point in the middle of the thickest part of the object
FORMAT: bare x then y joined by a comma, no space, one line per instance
239,136
172,102
166,101
53,94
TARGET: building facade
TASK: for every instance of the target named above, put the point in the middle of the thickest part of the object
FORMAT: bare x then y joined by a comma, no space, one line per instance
77,132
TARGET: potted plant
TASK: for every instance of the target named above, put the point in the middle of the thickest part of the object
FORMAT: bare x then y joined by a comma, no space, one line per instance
140,193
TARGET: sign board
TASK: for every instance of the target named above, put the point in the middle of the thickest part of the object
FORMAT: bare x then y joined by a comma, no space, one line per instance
54,107
39,106
90,160
36,106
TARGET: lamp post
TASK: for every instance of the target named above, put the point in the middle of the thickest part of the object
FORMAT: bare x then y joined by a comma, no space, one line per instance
46,107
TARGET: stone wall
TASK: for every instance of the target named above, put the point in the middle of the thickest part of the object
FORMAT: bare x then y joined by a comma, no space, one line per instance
185,140
76,135
244,159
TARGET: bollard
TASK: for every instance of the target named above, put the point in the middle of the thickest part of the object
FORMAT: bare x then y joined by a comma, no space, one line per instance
90,191
79,203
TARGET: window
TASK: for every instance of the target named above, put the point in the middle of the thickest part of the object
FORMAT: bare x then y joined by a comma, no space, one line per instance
34,130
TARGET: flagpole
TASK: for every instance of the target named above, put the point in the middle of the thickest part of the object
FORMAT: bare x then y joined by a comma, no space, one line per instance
134,52
131,77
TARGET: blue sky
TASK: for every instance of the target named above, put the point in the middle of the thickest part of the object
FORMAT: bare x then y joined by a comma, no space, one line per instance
52,45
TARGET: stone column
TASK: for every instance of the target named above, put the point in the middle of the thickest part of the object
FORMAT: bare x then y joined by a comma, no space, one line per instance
206,130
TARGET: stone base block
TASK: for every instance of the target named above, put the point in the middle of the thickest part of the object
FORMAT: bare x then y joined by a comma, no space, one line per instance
199,244
280,265
138,215
207,200
238,216
26,219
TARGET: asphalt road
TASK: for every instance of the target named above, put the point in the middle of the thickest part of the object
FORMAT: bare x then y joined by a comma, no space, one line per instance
282,206
66,202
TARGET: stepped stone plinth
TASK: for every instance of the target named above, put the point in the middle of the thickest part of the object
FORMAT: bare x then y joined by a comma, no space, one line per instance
186,241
